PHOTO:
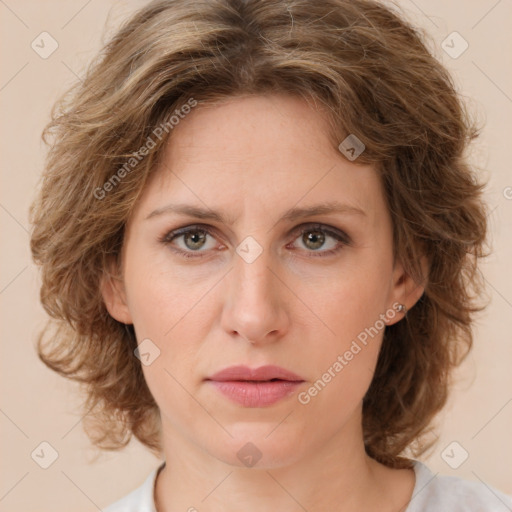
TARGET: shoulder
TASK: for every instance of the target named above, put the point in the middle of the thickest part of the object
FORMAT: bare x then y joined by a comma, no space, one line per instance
437,493
139,500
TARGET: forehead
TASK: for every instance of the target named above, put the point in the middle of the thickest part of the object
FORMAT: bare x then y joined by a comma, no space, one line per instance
273,151
241,127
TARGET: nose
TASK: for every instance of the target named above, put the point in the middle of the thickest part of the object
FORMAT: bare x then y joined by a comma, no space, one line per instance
254,308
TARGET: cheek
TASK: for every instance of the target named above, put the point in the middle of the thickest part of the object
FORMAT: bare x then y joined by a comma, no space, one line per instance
175,317
175,323
174,314
348,299
160,295
348,310
343,369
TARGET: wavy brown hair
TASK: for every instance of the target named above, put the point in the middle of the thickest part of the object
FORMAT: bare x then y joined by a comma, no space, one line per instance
373,75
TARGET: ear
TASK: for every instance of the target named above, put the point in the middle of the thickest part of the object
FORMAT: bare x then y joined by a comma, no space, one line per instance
405,290
114,295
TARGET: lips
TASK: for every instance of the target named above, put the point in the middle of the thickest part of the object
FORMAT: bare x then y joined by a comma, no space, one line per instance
258,387
263,373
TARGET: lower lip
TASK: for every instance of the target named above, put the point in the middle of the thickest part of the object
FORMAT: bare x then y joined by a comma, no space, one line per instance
256,394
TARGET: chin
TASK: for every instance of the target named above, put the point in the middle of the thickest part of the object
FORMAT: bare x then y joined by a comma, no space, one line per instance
258,447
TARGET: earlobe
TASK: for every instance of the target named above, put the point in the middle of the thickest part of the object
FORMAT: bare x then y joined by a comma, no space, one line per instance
114,297
406,290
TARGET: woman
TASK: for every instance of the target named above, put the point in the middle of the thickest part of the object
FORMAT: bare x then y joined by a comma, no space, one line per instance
259,241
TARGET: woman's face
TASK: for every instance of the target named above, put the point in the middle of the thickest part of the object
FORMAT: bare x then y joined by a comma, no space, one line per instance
287,262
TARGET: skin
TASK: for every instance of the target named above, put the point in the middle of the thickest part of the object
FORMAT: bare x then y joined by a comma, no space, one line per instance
253,158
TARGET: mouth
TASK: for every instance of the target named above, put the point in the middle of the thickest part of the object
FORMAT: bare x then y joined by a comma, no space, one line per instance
258,387
261,374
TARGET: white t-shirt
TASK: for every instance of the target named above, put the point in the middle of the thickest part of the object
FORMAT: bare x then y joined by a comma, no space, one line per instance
432,493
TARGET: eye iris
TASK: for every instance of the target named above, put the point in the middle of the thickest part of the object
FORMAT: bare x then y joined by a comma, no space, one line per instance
316,237
198,239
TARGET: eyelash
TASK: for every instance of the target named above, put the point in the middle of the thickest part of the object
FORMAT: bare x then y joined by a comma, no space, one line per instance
340,236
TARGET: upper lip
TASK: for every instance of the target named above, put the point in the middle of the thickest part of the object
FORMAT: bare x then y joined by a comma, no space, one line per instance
263,373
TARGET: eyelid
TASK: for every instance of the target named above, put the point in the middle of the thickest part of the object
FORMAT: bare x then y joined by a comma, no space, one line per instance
174,233
325,228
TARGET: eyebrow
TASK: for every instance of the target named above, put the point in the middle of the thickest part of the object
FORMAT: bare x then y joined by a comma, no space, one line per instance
290,215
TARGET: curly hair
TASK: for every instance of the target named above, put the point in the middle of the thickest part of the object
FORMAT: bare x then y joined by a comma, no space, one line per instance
374,76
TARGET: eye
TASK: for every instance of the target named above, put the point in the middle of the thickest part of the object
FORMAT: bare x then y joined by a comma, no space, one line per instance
314,237
190,240
193,241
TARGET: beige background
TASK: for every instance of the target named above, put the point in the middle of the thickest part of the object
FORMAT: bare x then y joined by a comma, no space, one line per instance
38,406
